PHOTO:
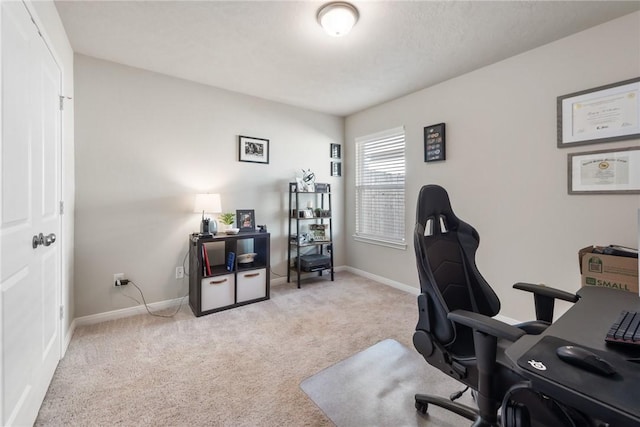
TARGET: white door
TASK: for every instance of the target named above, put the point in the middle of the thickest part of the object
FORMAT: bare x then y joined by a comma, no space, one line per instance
29,276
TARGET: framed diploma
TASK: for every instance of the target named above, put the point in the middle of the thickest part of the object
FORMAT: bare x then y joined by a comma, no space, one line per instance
605,171
602,114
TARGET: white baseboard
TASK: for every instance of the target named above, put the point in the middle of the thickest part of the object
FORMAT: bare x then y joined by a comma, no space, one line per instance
68,336
283,280
140,309
506,319
412,290
126,312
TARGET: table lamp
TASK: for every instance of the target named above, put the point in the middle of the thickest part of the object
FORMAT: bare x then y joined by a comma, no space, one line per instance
208,203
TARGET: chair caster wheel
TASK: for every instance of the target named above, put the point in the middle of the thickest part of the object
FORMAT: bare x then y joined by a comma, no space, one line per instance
422,407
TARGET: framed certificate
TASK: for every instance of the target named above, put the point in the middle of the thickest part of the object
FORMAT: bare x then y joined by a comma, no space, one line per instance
605,171
602,114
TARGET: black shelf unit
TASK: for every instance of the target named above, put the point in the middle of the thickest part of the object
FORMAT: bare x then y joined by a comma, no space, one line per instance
222,289
318,216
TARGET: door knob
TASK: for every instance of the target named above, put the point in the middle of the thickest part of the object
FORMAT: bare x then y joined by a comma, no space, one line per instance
38,240
41,239
49,239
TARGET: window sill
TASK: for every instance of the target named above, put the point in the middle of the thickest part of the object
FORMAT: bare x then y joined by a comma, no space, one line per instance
381,242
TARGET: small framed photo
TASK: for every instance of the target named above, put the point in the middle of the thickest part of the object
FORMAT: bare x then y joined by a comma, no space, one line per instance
336,169
319,232
253,150
246,219
308,213
336,151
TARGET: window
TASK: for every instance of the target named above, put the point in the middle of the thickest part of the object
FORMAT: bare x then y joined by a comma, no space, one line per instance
380,178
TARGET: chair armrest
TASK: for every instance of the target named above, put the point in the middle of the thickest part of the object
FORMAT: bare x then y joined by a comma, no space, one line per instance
486,332
544,299
486,324
547,291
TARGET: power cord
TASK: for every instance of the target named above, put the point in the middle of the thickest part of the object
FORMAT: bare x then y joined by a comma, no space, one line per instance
184,268
457,394
276,274
126,282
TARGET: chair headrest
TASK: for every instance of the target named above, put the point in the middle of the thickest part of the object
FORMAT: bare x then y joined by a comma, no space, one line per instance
434,211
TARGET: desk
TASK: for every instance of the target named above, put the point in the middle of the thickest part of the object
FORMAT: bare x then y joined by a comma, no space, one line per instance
586,324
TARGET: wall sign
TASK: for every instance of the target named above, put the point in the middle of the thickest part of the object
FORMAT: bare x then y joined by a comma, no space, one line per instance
434,143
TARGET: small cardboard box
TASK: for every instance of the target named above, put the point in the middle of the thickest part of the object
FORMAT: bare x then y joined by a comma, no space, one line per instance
609,271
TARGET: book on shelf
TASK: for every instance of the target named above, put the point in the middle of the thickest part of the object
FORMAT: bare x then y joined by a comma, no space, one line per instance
231,258
206,266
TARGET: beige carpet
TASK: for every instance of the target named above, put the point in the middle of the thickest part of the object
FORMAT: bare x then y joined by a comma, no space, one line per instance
240,367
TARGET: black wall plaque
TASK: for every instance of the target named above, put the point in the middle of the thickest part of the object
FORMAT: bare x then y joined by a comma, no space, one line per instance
434,143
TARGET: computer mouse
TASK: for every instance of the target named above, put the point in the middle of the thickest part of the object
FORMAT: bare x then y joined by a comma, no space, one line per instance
585,359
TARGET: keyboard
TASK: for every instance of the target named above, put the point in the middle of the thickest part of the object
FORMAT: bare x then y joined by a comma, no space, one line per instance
625,329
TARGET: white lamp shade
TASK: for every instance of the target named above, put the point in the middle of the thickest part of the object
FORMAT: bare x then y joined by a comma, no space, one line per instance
209,203
337,18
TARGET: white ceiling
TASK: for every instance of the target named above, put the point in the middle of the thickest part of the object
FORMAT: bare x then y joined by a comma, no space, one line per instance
277,51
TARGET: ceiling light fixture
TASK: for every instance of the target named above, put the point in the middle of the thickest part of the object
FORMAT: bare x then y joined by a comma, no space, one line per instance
337,18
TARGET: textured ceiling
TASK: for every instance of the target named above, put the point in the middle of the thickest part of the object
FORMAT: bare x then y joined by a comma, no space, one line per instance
277,51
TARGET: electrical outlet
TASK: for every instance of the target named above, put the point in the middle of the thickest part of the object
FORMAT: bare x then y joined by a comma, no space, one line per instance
117,278
179,272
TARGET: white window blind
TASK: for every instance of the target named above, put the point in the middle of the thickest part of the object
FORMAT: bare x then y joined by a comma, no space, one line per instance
380,181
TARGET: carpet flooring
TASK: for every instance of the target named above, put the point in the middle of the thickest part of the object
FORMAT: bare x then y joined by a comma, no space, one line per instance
239,367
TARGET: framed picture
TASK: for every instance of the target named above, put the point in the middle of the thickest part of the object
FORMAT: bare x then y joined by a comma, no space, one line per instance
434,143
253,150
602,114
336,169
246,220
319,232
605,171
336,152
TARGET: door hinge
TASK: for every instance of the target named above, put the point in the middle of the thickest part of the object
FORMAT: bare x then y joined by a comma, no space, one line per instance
61,207
61,312
62,98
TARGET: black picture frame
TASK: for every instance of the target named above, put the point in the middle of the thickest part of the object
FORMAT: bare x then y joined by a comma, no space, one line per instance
253,150
246,220
336,151
435,143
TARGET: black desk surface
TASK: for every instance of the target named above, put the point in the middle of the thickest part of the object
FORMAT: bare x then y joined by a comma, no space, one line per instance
586,324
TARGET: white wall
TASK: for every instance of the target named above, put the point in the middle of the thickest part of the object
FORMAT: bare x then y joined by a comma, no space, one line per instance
50,25
146,144
503,172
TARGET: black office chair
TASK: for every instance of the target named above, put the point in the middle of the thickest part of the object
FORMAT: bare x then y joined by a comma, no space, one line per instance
455,331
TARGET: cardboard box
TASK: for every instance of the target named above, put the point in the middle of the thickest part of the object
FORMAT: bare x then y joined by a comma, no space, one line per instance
610,271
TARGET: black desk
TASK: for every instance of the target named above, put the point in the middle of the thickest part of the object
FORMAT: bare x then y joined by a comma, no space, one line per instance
586,324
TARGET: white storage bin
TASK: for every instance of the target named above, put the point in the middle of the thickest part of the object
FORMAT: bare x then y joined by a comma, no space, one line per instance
252,284
217,291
